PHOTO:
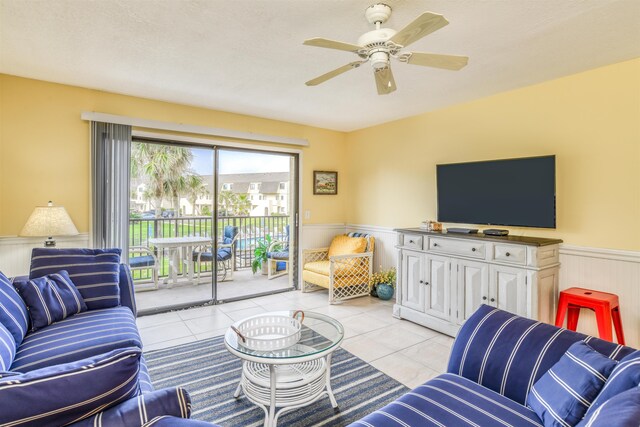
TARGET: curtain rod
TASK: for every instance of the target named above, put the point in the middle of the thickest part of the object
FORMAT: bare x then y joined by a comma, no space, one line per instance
186,128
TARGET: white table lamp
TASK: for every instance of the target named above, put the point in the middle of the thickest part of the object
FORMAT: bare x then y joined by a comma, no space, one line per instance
48,221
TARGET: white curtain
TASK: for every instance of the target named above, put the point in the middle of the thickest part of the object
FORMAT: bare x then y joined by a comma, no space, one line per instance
110,161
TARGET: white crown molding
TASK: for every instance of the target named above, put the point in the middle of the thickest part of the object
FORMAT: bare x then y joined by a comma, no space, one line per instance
187,128
17,240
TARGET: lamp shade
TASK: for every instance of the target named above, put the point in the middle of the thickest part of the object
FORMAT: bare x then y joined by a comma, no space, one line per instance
47,221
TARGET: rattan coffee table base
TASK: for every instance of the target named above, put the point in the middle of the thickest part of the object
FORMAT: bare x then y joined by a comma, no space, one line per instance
282,388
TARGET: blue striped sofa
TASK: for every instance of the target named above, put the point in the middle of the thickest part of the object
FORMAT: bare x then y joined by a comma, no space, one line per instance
36,365
494,362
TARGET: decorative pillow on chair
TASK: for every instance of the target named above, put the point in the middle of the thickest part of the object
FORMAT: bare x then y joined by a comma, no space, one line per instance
62,394
625,376
13,311
345,245
95,272
563,394
622,410
51,298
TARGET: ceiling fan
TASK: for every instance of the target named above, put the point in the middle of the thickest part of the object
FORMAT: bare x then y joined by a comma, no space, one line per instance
379,45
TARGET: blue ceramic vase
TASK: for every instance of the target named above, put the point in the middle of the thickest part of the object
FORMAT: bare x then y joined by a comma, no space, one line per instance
385,291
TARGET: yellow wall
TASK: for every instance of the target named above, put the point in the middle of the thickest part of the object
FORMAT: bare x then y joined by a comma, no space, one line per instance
590,121
44,147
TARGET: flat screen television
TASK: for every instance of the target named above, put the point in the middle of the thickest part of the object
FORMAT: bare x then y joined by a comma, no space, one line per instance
512,192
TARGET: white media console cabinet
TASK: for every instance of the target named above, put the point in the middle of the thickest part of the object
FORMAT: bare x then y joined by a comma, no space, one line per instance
443,278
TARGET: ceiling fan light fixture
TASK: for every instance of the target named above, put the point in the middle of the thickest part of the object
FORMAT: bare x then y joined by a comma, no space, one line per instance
379,59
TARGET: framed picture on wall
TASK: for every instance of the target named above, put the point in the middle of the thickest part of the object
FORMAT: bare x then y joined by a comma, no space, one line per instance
325,182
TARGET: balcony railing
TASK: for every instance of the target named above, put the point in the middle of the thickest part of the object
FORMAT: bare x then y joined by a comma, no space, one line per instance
251,230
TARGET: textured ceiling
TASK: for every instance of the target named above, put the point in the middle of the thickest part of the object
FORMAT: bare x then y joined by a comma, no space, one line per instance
246,56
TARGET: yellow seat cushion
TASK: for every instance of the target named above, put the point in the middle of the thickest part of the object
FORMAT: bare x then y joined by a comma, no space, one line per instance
322,280
345,245
317,273
319,267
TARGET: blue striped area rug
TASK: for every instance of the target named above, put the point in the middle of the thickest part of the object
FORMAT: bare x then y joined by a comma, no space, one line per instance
211,375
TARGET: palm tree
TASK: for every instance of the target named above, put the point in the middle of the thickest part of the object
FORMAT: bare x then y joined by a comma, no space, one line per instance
242,205
195,187
226,202
162,166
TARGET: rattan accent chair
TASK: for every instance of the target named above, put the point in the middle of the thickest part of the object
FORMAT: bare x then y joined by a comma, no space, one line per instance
344,268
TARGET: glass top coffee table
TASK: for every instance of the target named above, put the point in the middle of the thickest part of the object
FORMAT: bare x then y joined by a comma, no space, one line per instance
286,359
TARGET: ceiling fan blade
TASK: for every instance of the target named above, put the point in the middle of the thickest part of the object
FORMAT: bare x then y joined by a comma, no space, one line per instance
331,74
332,44
423,25
384,81
448,62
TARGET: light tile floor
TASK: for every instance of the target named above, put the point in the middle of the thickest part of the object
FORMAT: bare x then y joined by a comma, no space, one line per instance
403,350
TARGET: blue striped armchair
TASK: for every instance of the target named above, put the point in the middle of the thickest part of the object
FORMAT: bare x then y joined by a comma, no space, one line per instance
496,362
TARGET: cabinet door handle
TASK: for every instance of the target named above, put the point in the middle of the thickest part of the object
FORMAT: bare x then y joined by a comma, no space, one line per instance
426,283
473,249
507,254
421,281
493,300
435,245
484,298
411,241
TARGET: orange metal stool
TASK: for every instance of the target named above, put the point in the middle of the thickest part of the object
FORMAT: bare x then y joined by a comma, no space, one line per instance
605,305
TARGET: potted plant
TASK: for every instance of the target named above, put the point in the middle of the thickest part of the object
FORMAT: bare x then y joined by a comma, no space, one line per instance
260,254
384,283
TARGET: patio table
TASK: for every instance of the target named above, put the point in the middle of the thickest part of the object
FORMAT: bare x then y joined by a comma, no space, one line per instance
179,247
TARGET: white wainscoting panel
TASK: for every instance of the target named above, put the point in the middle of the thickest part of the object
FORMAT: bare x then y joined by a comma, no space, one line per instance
15,252
385,253
605,270
319,235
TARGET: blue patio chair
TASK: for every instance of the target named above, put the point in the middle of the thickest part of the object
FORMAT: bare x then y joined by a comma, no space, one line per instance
278,257
225,256
143,258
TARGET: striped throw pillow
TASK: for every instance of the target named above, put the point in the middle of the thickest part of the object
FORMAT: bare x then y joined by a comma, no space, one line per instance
62,394
7,349
50,299
563,394
13,311
625,376
622,410
95,272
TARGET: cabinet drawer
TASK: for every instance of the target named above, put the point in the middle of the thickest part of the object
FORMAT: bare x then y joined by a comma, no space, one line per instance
413,241
510,253
458,247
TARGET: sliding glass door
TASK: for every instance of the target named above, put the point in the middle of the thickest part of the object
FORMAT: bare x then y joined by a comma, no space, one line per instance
171,223
257,199
210,224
